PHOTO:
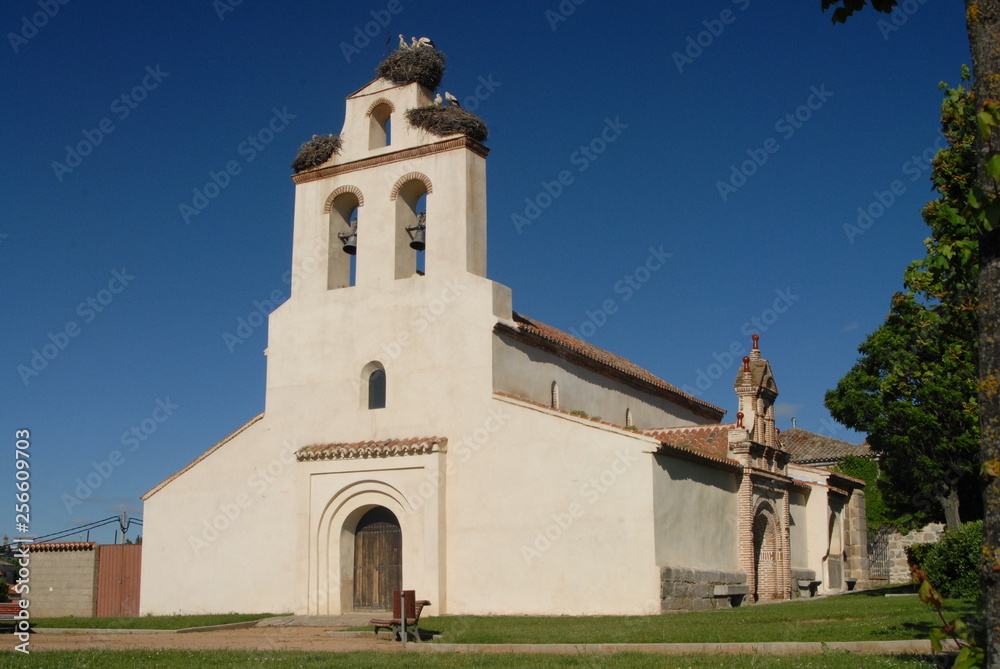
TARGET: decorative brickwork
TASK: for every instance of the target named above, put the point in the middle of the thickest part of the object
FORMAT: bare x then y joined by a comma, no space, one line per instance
695,589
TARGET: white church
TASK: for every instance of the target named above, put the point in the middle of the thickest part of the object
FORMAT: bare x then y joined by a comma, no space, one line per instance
419,433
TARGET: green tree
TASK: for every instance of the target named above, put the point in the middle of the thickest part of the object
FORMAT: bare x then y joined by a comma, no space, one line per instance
982,20
913,390
867,469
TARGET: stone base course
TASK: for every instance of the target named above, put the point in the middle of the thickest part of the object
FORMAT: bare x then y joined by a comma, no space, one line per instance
686,589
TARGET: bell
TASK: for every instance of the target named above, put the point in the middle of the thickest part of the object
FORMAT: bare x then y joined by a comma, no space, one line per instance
417,243
351,244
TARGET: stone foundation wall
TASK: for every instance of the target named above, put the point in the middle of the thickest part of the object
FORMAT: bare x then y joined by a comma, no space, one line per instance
899,568
683,589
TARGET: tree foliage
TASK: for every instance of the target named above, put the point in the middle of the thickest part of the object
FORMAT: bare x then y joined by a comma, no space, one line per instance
913,390
867,469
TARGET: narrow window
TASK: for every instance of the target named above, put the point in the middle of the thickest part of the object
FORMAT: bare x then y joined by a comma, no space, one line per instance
555,395
380,127
628,418
373,386
376,389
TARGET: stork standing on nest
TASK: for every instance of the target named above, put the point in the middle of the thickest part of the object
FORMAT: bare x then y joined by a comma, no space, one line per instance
438,100
452,100
402,42
426,41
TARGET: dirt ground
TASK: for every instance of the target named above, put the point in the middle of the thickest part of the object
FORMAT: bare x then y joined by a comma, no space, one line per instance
253,638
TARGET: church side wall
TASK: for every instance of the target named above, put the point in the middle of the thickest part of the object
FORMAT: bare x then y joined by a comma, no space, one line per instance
528,372
696,535
798,537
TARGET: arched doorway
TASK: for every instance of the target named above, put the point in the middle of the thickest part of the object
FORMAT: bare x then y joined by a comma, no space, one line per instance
765,556
378,559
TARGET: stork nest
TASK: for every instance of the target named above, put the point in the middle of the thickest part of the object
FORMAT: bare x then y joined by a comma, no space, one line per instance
316,151
424,65
442,121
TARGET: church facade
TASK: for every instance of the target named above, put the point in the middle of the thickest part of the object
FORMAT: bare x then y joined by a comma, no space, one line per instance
419,433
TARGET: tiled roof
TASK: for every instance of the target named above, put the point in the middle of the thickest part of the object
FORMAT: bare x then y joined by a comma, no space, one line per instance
372,449
64,546
533,329
707,440
201,457
807,447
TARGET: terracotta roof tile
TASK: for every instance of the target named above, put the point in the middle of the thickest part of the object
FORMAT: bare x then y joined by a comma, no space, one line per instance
807,447
372,449
63,546
709,440
537,329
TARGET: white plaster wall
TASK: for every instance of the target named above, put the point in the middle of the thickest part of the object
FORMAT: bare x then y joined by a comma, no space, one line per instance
206,532
799,530
816,520
528,372
695,515
550,514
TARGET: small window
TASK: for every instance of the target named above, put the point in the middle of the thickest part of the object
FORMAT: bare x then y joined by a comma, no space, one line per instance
555,395
628,418
376,389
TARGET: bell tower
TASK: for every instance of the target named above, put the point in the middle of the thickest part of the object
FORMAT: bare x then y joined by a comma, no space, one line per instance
389,296
757,391
392,191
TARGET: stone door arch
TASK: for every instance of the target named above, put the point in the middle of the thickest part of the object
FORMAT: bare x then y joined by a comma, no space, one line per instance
766,554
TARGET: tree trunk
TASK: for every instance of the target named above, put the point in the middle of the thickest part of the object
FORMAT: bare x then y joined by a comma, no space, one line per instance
949,504
983,23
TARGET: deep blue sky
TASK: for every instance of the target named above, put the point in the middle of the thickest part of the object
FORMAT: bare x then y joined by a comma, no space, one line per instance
678,132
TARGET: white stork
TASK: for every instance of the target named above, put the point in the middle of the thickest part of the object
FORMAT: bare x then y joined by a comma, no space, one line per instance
426,41
402,42
438,100
452,100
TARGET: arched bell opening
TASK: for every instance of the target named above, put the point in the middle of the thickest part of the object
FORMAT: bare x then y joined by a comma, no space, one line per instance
380,126
411,228
343,241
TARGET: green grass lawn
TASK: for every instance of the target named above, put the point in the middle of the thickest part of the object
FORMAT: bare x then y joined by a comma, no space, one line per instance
374,660
152,622
862,616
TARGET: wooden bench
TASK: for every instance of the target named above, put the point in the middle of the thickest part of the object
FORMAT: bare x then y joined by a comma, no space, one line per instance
8,613
398,622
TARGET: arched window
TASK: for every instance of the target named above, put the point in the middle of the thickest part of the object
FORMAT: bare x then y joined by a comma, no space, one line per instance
343,239
380,133
628,418
555,395
373,386
412,219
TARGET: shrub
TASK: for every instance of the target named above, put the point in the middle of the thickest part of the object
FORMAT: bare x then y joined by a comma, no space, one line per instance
952,564
916,554
4,590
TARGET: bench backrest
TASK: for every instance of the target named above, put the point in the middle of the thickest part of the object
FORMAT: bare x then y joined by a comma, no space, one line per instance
410,597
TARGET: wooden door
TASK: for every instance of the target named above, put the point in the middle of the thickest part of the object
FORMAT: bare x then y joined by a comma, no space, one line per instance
378,564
